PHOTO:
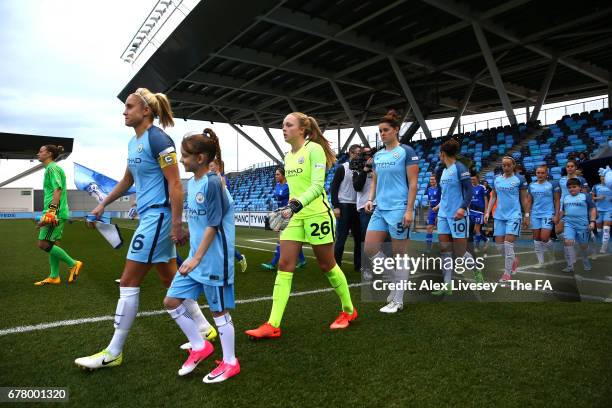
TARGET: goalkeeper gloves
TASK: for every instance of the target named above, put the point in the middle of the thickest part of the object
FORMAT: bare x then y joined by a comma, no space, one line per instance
295,206
50,216
280,218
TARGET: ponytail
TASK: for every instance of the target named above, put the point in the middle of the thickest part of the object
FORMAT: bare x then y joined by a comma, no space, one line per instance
213,137
206,143
314,134
159,105
392,118
54,150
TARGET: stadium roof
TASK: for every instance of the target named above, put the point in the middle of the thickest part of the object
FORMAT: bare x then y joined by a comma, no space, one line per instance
347,62
24,147
18,146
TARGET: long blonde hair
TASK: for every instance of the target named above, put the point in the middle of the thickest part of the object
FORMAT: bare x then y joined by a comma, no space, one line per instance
159,104
313,133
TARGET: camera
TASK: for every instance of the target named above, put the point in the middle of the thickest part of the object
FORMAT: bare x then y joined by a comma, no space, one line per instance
360,162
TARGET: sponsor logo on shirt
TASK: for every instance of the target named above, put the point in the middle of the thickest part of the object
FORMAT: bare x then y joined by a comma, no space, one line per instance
293,172
135,160
513,185
195,212
384,165
574,203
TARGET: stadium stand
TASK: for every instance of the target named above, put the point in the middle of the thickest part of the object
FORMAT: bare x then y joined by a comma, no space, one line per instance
529,143
253,190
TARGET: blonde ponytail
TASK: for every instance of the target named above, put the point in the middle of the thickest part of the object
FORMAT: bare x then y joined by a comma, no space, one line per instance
314,134
159,104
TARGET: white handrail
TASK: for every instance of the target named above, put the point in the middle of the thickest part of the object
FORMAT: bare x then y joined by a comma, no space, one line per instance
503,120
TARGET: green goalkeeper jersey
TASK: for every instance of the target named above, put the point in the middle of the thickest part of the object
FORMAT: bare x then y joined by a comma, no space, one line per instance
305,173
54,179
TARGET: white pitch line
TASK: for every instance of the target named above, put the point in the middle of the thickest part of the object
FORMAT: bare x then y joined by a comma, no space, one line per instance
259,241
523,270
76,322
269,250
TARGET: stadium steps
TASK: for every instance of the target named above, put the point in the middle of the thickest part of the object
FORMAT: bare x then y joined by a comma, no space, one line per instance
534,134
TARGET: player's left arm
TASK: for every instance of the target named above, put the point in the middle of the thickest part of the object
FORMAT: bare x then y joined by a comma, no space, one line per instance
164,152
526,205
528,200
466,190
592,212
412,172
175,191
523,197
557,202
50,215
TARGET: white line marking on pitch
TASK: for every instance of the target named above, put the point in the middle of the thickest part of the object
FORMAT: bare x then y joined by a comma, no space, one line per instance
74,322
269,250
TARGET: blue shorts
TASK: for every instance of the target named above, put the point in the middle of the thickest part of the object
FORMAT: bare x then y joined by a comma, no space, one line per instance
455,228
580,235
507,227
151,242
603,216
390,221
476,217
219,298
542,223
431,217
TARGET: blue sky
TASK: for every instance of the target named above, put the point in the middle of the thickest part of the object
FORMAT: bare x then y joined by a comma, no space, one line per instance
61,72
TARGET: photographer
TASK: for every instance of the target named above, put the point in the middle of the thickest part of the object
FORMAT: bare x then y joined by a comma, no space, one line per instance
362,178
344,198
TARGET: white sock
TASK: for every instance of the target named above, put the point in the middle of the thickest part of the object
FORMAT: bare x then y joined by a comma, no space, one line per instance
183,318
539,250
584,254
548,245
509,259
226,335
127,307
606,237
501,248
448,272
196,313
570,256
401,276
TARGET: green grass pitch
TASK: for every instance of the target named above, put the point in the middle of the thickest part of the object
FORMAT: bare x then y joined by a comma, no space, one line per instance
435,353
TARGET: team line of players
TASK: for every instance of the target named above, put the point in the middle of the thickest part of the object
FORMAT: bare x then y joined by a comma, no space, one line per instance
564,205
209,268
